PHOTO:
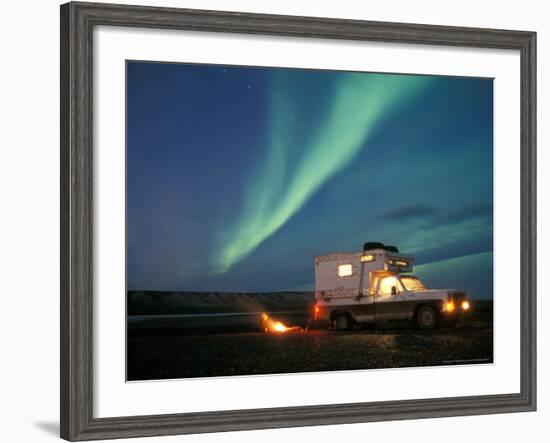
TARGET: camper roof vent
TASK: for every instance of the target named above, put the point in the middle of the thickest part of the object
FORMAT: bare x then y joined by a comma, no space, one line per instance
376,245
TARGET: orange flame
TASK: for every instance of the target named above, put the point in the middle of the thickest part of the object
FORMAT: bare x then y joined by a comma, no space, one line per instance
271,325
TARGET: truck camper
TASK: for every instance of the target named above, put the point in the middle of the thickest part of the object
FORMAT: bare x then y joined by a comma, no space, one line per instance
374,285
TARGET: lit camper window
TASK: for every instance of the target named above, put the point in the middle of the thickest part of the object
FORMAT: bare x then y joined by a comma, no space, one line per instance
367,258
345,270
401,263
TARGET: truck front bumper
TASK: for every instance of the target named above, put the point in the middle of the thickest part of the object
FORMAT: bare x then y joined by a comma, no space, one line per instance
453,307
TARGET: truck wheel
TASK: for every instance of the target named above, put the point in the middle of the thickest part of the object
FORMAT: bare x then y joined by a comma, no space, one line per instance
342,322
426,317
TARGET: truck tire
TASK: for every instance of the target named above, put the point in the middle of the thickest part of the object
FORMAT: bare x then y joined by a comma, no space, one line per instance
342,322
426,317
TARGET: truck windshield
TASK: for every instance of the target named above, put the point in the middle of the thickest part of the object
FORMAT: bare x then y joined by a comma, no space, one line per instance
413,283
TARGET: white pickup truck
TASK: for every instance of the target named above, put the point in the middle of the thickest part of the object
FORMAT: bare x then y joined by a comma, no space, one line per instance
369,286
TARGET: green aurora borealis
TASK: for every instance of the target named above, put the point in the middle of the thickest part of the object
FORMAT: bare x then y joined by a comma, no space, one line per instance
280,187
238,176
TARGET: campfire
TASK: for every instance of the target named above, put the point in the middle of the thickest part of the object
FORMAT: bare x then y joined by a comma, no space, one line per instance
275,326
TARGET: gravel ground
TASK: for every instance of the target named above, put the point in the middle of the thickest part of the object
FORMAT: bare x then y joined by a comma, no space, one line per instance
183,354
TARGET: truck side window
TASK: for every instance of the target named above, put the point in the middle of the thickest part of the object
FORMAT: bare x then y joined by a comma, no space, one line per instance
386,284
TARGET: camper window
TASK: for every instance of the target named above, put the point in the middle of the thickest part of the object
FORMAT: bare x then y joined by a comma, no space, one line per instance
345,270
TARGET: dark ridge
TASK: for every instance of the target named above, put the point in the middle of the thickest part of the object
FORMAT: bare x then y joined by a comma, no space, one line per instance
168,302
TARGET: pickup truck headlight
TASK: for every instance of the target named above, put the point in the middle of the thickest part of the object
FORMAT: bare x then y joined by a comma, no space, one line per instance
465,305
449,306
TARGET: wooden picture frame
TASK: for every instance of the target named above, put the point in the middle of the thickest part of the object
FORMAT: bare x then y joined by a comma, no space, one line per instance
77,23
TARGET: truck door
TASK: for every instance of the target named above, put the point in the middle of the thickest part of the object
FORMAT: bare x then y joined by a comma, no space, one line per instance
390,303
363,308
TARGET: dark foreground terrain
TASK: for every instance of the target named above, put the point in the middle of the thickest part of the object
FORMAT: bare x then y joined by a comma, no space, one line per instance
180,345
161,357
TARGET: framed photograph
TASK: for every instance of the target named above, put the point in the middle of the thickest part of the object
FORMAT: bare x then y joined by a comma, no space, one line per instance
273,221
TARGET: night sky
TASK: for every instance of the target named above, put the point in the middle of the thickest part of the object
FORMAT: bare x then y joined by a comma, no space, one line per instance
238,176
